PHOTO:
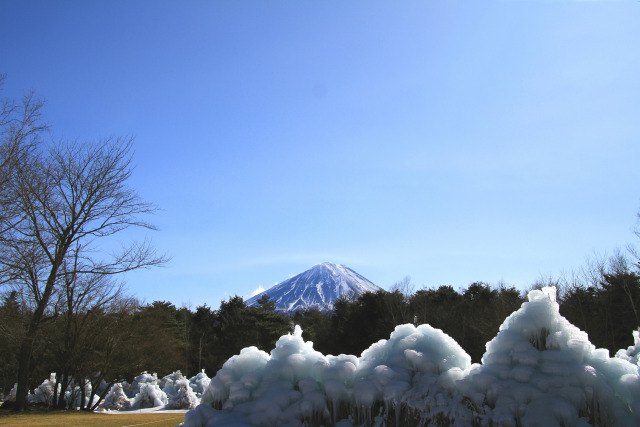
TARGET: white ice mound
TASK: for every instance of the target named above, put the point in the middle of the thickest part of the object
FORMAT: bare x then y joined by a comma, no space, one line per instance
199,383
296,384
178,391
149,396
542,370
539,370
413,374
116,399
134,388
43,394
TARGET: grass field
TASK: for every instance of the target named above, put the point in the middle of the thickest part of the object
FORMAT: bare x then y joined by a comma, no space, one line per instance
64,418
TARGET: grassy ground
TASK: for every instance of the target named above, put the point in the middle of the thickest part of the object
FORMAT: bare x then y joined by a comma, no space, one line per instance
73,418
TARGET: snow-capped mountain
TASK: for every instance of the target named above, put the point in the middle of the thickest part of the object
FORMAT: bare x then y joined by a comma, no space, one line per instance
319,287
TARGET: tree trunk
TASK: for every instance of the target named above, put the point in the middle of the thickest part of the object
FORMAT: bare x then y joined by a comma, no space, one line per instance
200,354
24,367
58,391
92,406
26,348
83,384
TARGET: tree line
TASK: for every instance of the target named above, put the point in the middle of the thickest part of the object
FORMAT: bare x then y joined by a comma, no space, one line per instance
119,340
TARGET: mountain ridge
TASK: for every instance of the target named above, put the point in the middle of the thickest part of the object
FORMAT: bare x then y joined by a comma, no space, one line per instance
319,287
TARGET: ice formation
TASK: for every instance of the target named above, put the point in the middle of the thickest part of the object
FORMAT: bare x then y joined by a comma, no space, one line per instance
73,396
149,396
11,397
199,383
116,399
43,394
539,370
542,370
173,391
143,378
296,384
632,354
179,392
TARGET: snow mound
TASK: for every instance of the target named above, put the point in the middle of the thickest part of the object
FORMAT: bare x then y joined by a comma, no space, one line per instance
178,391
538,370
73,395
134,388
173,391
296,384
11,397
182,396
542,370
116,399
149,396
199,383
43,394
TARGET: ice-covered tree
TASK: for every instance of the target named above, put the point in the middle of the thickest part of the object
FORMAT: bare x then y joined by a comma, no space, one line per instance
180,395
149,396
116,399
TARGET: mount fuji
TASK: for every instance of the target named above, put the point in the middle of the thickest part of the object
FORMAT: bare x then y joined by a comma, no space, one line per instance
319,287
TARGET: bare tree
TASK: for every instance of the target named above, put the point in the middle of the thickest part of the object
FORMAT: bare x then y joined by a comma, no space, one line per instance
21,129
67,201
397,301
82,298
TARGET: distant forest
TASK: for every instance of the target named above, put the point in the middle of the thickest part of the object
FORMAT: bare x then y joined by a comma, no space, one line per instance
120,339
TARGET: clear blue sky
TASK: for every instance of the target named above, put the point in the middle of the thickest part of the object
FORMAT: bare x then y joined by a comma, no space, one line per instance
451,141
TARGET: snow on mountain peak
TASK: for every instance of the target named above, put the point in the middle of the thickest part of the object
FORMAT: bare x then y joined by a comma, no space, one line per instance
319,287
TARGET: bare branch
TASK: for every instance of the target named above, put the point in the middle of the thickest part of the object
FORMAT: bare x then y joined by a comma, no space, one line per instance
55,204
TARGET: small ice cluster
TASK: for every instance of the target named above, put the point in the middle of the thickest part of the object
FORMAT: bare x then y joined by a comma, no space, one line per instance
11,397
539,370
146,391
44,393
149,394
